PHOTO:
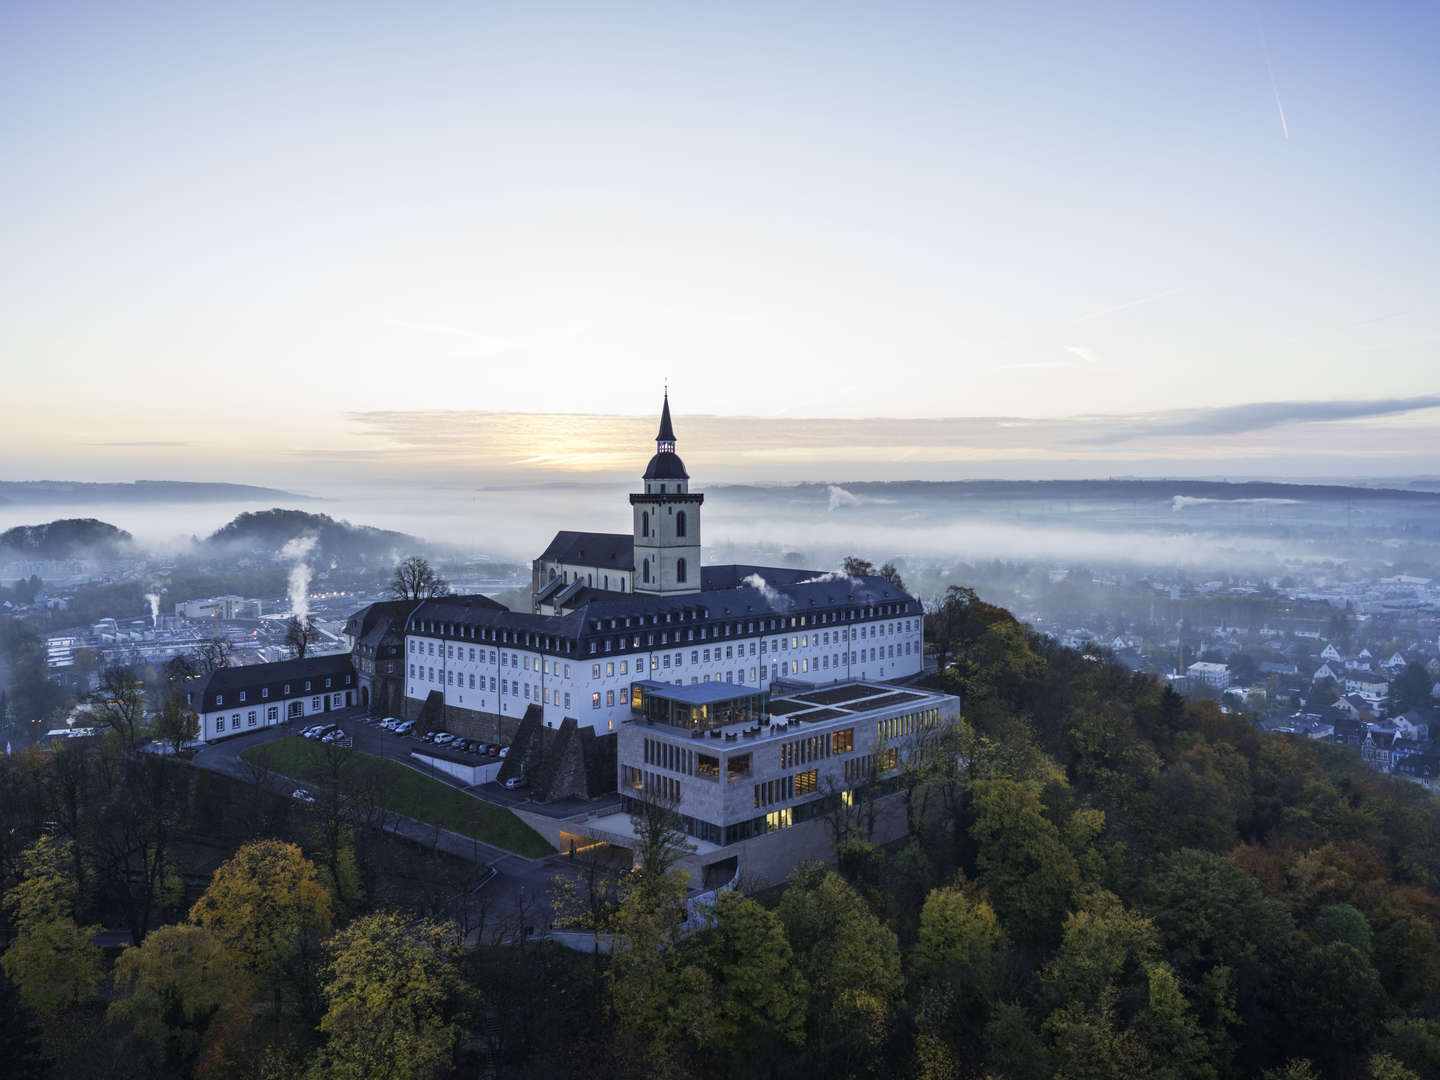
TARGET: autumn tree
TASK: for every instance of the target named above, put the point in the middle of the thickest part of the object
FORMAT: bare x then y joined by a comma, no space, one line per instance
178,985
654,1001
391,990
52,959
267,905
416,579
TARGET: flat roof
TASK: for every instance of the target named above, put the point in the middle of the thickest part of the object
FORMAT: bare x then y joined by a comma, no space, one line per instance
699,693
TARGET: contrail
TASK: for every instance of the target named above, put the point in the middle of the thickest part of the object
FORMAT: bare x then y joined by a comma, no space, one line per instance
1264,42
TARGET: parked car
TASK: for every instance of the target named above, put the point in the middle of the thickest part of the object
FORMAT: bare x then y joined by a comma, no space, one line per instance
429,736
460,744
389,723
515,782
493,749
333,736
504,751
404,727
443,738
303,795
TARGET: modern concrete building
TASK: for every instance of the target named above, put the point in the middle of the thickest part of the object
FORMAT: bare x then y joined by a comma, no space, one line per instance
758,778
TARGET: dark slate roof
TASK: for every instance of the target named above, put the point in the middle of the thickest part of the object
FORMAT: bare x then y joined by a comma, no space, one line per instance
667,433
734,594
608,551
666,466
253,678
363,622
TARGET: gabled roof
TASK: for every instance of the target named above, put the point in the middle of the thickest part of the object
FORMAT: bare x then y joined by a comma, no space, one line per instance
231,680
606,551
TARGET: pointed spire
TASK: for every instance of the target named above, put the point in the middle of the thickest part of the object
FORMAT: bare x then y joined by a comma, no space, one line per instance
665,441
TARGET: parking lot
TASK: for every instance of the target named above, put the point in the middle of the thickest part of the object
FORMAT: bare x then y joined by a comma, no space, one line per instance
370,738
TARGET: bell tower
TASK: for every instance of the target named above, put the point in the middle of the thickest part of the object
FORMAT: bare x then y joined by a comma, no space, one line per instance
667,521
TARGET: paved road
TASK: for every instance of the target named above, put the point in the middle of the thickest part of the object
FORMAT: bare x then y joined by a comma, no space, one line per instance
520,885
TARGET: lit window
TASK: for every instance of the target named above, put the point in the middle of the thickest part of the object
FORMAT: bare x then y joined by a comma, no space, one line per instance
595,700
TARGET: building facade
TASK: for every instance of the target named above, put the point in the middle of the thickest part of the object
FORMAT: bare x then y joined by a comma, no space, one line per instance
235,700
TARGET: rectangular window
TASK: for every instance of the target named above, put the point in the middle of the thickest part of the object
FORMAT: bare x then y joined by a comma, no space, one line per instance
242,697
594,671
609,697
806,783
272,714
694,656
595,700
315,704
219,699
250,718
567,701
843,742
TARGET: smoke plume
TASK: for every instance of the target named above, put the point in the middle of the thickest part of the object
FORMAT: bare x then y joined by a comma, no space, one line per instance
296,551
154,599
777,601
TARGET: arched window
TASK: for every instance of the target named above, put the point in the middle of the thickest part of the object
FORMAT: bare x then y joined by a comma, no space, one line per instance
645,523
647,571
680,523
680,570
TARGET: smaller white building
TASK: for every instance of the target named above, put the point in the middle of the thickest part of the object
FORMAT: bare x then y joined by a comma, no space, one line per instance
240,699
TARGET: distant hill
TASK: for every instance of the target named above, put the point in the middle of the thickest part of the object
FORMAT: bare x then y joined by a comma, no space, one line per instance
270,530
846,495
40,492
68,538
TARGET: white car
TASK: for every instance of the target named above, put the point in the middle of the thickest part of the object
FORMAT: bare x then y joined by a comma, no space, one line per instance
303,795
504,751
389,723
443,738
404,727
334,736
515,782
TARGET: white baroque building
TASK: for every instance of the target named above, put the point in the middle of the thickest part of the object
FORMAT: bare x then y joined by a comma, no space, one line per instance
613,609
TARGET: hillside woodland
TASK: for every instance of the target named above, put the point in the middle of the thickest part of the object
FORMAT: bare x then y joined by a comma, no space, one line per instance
1100,879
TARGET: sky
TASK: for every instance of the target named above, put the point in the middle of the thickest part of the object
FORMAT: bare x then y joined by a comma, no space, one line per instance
312,244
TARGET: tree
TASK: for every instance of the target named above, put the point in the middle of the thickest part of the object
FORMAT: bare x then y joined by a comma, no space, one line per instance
265,903
391,993
176,724
300,634
891,574
52,959
180,983
212,655
755,994
19,1036
416,579
957,929
661,840
119,704
850,961
1027,870
1411,689
854,566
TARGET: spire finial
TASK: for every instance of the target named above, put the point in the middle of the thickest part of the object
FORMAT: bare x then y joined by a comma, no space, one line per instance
665,440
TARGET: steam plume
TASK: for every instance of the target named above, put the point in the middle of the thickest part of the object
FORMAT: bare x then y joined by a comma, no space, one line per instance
825,579
154,599
296,551
777,601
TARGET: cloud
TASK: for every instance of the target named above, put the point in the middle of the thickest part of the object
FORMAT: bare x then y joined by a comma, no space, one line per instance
139,444
1180,502
1239,419
1088,355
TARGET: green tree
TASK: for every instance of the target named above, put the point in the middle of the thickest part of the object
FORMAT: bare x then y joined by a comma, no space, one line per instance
849,960
1411,688
19,1036
52,960
1028,872
756,997
957,929
176,724
392,998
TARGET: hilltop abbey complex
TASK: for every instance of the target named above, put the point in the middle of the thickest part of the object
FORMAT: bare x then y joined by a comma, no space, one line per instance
750,698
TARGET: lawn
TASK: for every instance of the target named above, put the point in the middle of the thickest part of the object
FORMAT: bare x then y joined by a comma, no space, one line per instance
407,792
